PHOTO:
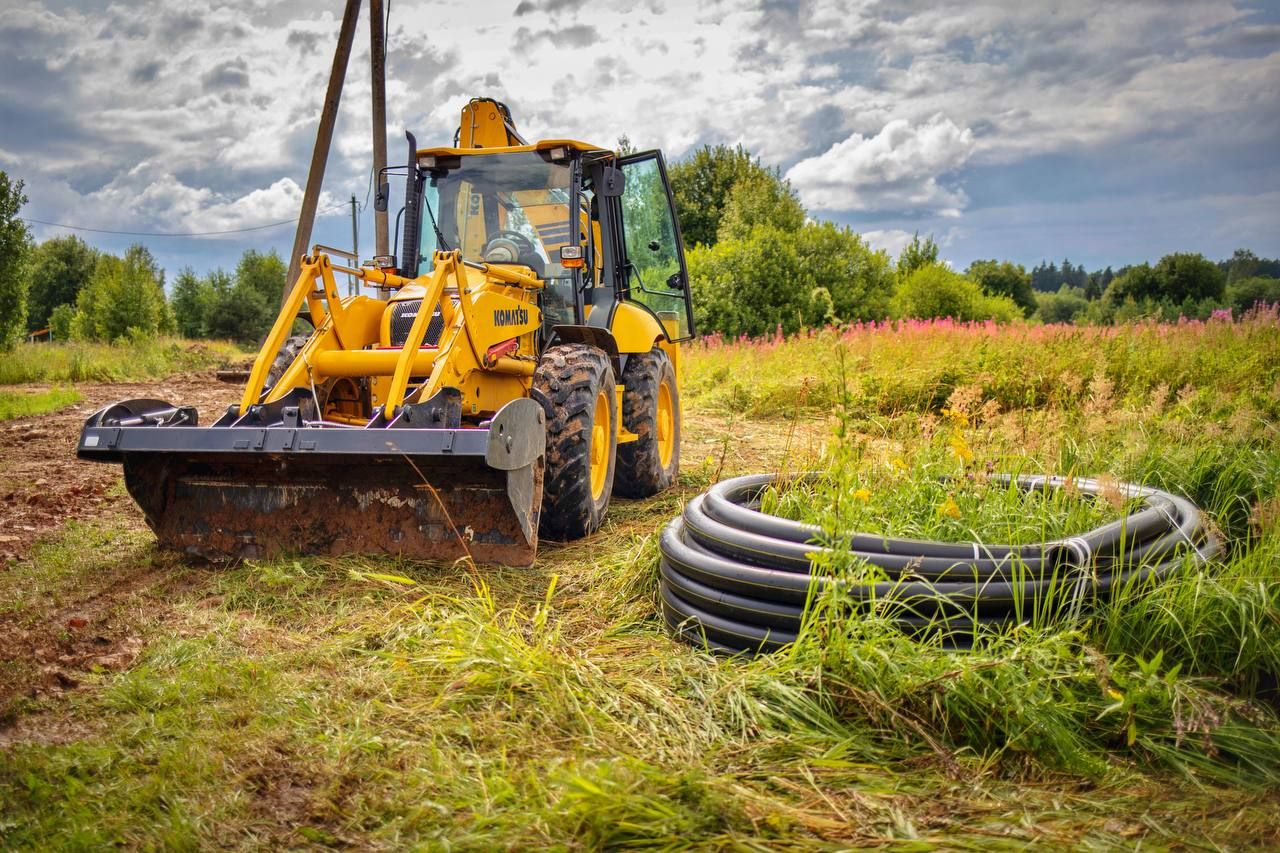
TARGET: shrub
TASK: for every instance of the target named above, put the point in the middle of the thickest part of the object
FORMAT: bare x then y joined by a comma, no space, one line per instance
935,291
1062,307
1246,293
750,286
1002,278
858,280
60,322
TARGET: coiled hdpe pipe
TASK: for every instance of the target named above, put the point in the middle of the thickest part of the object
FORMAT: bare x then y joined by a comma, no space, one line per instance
736,579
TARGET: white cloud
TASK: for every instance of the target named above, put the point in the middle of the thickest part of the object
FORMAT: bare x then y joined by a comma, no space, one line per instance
891,240
872,105
898,169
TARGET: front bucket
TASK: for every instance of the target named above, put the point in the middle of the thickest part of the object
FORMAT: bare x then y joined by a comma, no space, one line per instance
225,492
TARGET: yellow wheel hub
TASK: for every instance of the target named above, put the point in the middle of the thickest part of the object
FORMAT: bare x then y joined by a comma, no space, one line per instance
666,424
600,428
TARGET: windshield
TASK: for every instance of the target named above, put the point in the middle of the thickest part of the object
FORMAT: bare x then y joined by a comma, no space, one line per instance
498,208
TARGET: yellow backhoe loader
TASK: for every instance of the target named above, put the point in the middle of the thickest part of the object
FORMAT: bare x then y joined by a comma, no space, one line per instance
516,365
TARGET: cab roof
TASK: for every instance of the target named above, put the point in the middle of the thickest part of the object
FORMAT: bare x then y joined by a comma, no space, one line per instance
541,145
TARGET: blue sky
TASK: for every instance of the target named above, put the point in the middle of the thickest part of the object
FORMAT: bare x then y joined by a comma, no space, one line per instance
1109,133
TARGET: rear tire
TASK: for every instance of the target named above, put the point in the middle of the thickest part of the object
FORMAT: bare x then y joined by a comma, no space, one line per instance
574,383
288,352
650,409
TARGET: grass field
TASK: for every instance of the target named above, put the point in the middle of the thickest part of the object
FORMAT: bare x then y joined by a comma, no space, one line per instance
20,404
93,362
355,703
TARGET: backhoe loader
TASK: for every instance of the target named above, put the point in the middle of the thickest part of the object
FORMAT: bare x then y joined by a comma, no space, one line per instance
516,364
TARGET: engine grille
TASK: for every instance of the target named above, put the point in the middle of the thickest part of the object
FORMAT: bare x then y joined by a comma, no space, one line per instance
402,316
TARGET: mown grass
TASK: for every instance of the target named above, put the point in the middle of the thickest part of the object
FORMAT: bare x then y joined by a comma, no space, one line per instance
393,704
93,362
19,404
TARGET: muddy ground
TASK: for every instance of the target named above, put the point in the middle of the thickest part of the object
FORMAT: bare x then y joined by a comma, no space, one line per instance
54,631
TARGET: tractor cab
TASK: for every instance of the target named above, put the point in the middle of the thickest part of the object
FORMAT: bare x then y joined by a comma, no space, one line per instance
597,230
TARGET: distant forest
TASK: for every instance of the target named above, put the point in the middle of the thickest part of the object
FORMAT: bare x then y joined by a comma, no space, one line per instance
1048,277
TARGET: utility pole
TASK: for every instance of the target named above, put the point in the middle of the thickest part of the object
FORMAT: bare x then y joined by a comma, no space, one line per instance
352,287
324,135
378,77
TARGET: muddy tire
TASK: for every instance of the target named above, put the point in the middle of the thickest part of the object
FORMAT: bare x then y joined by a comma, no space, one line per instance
650,409
574,384
288,352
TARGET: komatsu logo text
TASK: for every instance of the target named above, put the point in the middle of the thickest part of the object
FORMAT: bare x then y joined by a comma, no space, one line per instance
510,316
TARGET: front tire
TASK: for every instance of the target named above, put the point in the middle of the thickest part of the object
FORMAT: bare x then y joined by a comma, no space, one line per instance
575,385
650,409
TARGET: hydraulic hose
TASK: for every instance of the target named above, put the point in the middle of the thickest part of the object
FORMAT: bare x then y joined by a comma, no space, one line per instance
737,579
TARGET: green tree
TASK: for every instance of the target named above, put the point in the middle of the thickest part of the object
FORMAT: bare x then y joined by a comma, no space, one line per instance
1002,278
915,255
192,299
123,299
1245,293
1243,264
1137,283
264,274
935,291
760,198
858,281
60,269
15,248
701,186
751,286
1187,275
240,307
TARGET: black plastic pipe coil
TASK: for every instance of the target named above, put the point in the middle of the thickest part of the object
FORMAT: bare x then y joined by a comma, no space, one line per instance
736,579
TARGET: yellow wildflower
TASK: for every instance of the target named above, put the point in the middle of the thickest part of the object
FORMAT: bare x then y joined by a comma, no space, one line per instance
960,447
863,495
949,508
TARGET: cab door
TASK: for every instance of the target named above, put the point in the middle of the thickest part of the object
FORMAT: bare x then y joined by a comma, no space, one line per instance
653,266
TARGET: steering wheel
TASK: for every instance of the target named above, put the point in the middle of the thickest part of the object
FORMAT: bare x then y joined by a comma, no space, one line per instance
522,243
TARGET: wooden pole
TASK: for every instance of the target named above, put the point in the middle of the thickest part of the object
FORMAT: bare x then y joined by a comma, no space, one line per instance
324,135
378,77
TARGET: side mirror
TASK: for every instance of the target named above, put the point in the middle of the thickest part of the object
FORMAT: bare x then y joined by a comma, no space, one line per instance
381,200
609,181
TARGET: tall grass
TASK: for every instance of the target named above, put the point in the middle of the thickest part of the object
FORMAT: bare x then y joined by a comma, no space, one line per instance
1181,673
93,362
915,365
388,704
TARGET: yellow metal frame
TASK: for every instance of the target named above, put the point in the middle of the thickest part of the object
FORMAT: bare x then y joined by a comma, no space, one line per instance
475,353
348,335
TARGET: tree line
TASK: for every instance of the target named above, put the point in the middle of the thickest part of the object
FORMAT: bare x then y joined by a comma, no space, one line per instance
77,292
757,262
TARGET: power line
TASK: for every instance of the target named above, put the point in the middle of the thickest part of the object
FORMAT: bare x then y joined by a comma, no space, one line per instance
172,233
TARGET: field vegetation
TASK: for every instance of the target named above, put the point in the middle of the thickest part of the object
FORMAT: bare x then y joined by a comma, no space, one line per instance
21,404
85,361
391,704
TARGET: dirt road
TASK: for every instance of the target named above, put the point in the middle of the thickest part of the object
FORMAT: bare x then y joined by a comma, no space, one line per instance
43,485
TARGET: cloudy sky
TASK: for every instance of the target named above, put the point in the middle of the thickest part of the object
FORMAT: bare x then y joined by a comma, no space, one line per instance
1107,132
